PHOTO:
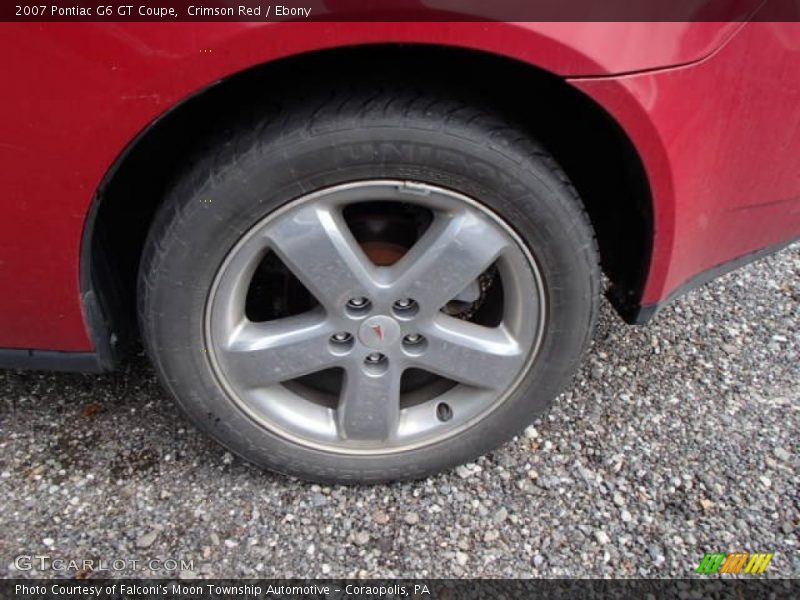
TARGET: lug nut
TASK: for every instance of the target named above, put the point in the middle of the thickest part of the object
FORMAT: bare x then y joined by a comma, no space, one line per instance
357,302
374,358
414,344
405,308
358,306
341,337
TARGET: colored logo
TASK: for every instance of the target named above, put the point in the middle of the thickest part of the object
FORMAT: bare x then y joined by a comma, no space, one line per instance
380,332
734,563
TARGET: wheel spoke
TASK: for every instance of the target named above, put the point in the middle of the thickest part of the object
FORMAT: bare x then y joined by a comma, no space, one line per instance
451,254
369,406
260,354
485,357
318,247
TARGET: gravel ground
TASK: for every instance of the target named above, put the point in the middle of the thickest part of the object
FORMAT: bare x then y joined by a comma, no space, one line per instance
674,439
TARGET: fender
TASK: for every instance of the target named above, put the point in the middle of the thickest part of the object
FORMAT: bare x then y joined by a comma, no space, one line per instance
91,104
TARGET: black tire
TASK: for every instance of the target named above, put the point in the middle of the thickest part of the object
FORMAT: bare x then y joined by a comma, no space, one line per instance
319,141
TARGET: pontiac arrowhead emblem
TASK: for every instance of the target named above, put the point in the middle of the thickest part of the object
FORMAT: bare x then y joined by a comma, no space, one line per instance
379,332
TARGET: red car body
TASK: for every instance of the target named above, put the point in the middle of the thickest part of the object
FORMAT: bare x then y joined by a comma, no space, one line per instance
711,110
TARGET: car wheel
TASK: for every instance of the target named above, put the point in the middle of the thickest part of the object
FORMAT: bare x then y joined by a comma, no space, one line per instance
368,286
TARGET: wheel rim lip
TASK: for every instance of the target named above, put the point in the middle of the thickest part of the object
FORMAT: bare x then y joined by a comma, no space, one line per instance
258,419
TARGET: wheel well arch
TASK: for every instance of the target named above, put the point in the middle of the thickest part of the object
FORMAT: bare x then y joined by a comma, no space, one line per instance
590,146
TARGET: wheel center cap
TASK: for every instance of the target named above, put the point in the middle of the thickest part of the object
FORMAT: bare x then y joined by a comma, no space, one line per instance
379,332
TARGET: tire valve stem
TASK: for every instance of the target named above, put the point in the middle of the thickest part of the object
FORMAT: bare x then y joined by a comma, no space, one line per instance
443,412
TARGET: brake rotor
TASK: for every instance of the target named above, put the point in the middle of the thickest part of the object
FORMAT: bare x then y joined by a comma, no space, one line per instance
383,254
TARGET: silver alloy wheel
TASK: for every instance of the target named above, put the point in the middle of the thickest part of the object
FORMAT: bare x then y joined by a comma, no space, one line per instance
375,322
